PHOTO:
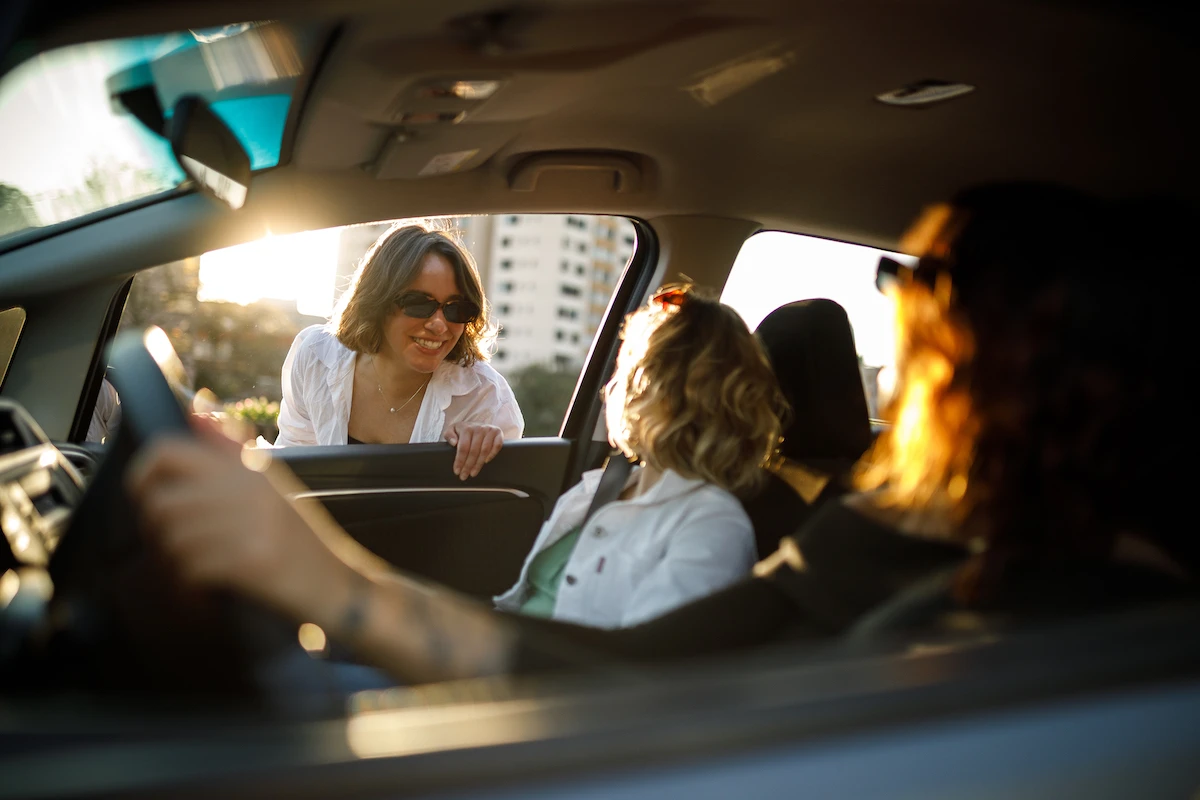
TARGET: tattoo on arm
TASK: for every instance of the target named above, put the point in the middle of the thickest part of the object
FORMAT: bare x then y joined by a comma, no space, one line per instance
423,632
354,618
438,645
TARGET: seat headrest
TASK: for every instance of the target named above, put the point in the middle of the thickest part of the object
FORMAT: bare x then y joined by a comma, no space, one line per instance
811,346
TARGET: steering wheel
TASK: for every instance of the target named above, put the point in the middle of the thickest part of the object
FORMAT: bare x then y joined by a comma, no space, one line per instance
126,625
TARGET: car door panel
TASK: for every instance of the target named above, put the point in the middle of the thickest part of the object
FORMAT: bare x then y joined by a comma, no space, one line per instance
471,540
404,503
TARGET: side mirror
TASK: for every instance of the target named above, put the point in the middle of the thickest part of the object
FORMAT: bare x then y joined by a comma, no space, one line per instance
208,151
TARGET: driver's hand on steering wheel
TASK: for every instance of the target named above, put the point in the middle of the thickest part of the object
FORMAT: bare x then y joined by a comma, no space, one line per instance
224,525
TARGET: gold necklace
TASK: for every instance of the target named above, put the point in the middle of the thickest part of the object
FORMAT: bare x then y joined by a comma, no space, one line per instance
379,386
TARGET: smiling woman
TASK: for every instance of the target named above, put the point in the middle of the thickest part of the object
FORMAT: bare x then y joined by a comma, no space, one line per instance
404,358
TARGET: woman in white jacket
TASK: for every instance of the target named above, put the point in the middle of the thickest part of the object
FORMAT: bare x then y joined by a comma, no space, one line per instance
404,359
694,401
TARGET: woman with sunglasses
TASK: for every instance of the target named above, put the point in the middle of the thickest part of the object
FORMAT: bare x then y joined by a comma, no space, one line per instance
404,358
1033,471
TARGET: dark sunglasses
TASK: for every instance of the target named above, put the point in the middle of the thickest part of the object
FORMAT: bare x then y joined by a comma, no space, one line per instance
421,306
891,272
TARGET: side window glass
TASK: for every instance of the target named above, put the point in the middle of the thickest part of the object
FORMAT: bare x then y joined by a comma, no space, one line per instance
233,314
775,268
550,302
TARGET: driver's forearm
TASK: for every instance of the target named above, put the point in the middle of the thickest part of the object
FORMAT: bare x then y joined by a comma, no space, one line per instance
419,633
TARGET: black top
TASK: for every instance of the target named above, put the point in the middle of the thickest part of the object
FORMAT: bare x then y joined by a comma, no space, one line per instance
779,510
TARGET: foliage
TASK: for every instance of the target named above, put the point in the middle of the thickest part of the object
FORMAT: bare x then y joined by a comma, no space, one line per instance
16,210
232,350
258,410
543,394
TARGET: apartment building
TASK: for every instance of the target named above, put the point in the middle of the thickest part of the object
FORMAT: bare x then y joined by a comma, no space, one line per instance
550,279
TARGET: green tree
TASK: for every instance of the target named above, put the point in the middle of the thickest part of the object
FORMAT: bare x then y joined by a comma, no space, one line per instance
166,296
16,210
109,182
543,394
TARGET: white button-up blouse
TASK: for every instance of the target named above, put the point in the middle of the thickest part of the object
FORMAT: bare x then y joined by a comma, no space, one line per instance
318,383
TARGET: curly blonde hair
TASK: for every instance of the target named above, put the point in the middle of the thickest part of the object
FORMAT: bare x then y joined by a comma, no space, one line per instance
696,392
390,266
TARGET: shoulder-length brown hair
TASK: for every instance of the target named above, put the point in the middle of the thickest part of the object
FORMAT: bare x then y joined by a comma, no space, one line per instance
698,393
387,270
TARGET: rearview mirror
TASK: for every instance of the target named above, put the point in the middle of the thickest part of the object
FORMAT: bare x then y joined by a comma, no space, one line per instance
209,152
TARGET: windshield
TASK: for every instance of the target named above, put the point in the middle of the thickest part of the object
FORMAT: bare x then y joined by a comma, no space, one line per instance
73,146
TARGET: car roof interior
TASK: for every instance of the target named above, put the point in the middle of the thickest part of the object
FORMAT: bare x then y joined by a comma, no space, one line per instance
709,119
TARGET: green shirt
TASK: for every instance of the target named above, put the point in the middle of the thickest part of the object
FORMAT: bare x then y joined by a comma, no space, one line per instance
546,575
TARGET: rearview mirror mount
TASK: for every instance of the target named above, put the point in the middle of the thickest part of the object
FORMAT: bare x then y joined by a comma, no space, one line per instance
208,151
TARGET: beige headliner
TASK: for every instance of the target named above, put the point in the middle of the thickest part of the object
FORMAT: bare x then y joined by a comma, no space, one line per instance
1063,94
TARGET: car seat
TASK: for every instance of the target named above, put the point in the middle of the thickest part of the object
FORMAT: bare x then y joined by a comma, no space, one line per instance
811,346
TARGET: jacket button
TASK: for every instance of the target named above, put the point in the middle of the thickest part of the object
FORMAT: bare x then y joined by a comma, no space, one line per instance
599,533
571,580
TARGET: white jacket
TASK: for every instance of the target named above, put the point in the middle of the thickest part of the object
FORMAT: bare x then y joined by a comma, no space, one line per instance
638,559
318,384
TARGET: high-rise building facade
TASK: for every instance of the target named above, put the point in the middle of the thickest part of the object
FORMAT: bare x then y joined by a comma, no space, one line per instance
550,280
614,242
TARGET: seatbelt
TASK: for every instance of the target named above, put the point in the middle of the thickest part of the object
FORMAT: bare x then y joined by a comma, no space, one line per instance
612,481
